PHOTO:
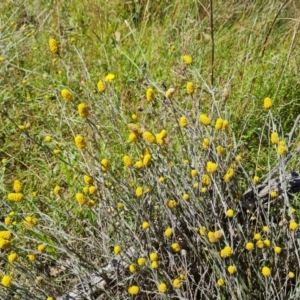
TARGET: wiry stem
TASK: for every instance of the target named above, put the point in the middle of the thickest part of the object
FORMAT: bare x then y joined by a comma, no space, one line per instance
212,44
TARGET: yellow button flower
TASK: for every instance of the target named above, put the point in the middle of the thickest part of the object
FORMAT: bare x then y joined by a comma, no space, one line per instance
204,119
177,283
141,261
249,246
168,232
117,249
231,269
190,88
6,281
67,95
53,46
133,290
293,225
150,94
266,271
267,103
162,288
83,111
187,59
110,77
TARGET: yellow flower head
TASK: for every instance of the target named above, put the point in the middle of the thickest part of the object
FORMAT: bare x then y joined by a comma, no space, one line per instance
220,282
110,77
267,242
87,179
204,119
211,167
186,197
5,234
205,180
149,137
211,237
67,95
260,244
168,232
132,268
147,160
231,269
4,244
230,213
8,220
219,124
141,261
30,221
183,122
162,287
57,190
225,125
80,142
53,46
12,257
273,194
139,164
257,236
267,103
169,93
187,59
291,274
83,111
15,197
282,149
153,256
229,174
205,143
266,271
256,179
277,249
139,191
31,257
218,234
175,247
171,204
249,246
226,252
133,290
6,281
150,94
127,161
101,86
80,198
265,228
194,173
17,186
190,88
105,164
154,264
117,249
202,231
132,137
274,138
293,225
145,225
41,248
92,190
161,179
177,283
221,150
